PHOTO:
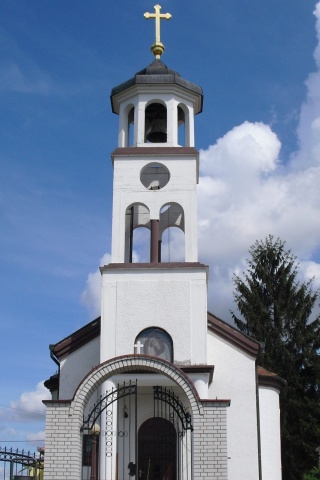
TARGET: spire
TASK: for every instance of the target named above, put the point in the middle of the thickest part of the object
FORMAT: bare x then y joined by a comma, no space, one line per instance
157,47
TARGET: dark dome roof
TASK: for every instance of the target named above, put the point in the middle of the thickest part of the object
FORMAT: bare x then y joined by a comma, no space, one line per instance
157,73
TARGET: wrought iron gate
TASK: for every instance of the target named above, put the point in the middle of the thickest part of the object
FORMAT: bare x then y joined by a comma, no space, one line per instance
117,413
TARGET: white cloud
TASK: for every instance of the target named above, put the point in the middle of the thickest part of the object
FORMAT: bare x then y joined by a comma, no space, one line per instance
29,407
91,296
309,125
248,196
36,437
311,271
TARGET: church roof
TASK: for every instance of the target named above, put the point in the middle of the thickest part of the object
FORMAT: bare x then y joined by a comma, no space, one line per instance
77,339
158,73
232,335
270,379
90,331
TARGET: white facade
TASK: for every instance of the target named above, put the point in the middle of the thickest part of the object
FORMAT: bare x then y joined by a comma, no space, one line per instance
138,298
234,378
173,389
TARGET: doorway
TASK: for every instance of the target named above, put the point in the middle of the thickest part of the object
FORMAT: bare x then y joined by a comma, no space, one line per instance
157,450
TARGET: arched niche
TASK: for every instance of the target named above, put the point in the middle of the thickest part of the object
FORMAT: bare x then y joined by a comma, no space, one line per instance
156,342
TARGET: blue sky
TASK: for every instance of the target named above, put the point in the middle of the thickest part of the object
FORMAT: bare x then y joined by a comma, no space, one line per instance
259,136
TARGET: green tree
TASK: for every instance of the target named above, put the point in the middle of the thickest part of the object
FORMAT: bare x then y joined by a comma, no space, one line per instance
275,308
313,475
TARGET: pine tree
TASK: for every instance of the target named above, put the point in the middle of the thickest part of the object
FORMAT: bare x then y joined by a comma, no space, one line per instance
275,309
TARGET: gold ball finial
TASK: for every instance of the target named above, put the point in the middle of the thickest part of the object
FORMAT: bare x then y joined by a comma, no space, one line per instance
157,48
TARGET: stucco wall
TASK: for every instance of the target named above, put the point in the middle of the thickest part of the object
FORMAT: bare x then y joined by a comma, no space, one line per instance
76,365
174,300
270,433
234,378
128,189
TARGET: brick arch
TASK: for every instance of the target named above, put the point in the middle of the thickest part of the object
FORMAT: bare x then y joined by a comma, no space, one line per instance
125,364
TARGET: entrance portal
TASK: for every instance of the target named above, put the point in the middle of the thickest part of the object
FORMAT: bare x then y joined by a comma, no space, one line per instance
157,450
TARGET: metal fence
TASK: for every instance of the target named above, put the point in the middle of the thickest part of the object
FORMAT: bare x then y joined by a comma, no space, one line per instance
20,464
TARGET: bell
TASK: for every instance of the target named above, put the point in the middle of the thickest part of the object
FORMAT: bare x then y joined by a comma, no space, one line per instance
156,123
157,132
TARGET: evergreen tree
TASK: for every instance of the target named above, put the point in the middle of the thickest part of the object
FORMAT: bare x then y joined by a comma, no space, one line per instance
275,309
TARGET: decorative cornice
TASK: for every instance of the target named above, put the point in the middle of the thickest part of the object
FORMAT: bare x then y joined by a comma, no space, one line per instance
199,369
157,151
154,266
217,401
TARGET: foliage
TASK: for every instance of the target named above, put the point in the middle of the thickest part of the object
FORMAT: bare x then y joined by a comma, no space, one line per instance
314,474
276,309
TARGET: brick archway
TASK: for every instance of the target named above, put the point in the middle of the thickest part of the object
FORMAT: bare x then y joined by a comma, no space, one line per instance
65,417
125,364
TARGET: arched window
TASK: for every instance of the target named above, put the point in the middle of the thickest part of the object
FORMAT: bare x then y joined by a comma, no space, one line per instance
154,176
155,342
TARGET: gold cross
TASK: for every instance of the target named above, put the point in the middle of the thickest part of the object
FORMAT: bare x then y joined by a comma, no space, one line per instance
157,47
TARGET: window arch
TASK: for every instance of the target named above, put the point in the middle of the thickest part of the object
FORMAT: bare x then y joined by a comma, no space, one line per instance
156,342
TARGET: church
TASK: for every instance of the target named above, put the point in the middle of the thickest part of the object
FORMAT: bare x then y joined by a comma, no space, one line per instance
157,388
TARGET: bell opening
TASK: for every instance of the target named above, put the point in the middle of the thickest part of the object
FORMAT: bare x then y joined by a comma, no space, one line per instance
156,123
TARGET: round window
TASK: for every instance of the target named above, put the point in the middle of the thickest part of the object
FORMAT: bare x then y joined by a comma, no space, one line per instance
154,176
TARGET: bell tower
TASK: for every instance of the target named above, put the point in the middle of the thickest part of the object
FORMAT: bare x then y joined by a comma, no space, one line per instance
156,168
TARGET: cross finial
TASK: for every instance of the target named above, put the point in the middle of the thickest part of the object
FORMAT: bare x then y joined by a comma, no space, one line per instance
157,47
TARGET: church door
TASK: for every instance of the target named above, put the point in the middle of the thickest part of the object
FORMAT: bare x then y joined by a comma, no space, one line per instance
157,450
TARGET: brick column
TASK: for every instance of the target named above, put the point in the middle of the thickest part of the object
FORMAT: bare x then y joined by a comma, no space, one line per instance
210,441
63,455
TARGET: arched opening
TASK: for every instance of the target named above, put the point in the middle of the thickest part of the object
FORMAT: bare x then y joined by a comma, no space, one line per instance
137,234
173,245
141,245
157,450
181,127
172,233
130,127
156,123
